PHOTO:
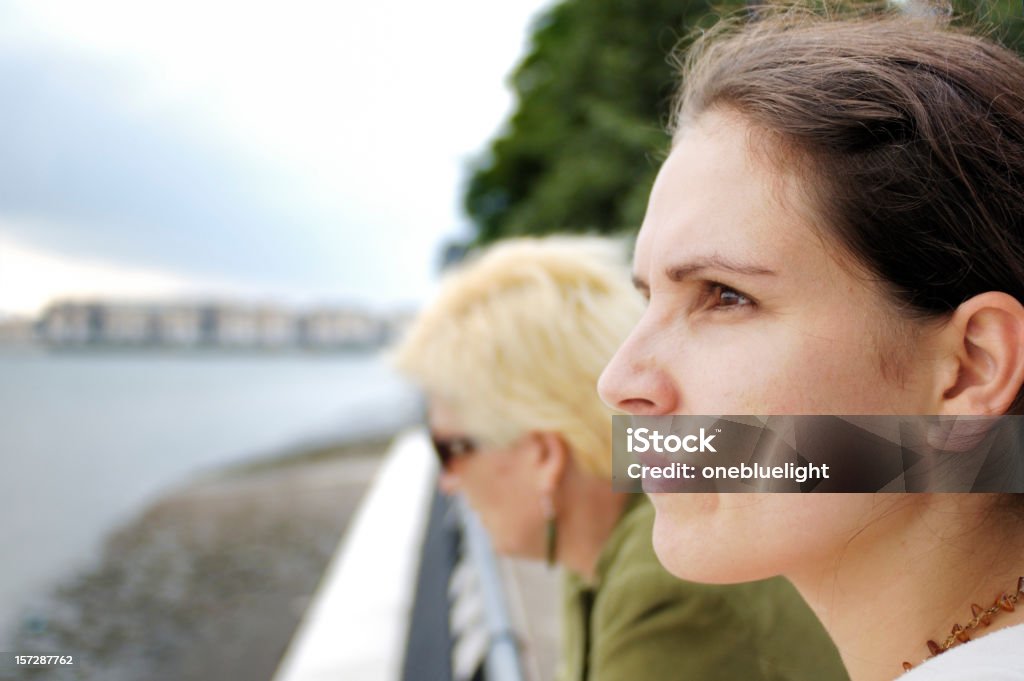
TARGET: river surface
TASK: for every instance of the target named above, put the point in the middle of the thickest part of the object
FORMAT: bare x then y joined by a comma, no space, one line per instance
87,439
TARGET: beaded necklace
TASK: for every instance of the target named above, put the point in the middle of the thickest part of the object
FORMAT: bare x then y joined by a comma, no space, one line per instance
981,617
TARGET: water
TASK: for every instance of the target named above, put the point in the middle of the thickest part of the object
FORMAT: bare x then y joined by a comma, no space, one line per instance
87,439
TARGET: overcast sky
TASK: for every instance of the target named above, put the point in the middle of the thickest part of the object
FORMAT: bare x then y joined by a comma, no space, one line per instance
303,152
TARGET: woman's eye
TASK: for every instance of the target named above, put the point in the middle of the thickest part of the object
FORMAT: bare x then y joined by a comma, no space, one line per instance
719,296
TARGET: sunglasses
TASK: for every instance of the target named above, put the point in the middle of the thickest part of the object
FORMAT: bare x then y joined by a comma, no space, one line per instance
449,448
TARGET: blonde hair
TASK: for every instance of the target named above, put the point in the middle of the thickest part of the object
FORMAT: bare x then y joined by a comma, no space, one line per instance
517,338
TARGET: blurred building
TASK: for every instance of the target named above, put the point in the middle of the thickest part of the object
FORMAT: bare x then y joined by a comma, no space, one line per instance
251,327
74,324
181,325
69,324
342,328
125,325
17,330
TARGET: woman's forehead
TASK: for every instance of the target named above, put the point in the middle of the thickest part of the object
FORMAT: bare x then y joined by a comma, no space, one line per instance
714,198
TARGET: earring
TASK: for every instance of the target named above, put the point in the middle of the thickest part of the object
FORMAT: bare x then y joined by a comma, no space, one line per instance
551,529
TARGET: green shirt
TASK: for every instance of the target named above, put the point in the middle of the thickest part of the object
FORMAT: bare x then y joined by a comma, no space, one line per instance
639,622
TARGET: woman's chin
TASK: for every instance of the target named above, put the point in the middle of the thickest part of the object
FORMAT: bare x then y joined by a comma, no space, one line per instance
689,542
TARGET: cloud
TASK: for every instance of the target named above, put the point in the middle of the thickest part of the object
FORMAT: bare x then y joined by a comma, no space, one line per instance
315,147
30,278
85,172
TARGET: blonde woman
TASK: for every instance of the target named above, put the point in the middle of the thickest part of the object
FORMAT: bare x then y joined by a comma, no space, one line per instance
508,355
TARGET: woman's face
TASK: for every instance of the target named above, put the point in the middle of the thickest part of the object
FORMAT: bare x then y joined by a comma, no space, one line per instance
499,484
751,311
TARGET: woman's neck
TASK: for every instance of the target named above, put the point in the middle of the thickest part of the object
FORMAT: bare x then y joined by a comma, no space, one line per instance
588,513
909,576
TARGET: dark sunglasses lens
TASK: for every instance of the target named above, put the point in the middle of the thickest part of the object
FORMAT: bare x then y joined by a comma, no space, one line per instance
443,453
450,448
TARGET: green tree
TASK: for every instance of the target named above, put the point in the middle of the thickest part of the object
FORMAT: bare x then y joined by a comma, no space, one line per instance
583,146
593,95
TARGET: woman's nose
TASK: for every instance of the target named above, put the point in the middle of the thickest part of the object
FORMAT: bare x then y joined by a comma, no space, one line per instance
448,482
633,382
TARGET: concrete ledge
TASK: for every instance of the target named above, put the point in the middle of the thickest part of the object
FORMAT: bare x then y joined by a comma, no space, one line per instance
357,624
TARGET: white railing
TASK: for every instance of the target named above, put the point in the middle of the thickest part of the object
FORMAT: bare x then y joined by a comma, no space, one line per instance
500,639
357,625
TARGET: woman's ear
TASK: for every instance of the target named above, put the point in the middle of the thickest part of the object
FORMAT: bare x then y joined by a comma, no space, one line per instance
552,460
986,356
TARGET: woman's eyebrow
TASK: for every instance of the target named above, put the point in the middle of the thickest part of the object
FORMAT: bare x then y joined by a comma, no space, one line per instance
678,273
686,270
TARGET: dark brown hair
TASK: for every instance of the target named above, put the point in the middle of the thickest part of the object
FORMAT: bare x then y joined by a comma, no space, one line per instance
909,134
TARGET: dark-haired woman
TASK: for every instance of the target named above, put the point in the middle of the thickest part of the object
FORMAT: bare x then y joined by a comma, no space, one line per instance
839,229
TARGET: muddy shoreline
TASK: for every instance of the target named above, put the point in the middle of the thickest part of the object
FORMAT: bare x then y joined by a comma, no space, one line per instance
211,580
